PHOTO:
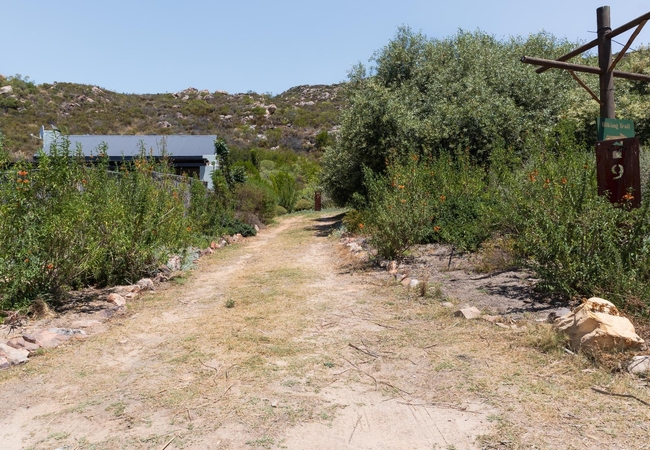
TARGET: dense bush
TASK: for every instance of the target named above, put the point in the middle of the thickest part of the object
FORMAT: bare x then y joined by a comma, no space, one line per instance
303,204
286,189
256,197
577,242
466,93
66,224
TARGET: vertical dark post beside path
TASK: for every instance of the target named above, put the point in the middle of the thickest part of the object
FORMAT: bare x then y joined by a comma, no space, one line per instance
317,201
617,154
607,102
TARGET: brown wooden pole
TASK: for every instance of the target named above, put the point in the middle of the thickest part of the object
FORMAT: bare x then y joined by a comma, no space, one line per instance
608,107
551,63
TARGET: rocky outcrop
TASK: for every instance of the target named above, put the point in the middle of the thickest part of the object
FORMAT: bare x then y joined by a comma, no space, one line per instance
598,325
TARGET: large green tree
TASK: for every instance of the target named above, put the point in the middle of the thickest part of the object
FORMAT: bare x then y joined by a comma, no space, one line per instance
468,92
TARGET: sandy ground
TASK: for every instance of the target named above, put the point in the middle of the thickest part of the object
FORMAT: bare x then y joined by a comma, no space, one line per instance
285,341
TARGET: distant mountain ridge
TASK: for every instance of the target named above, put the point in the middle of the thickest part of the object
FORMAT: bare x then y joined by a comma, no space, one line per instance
290,120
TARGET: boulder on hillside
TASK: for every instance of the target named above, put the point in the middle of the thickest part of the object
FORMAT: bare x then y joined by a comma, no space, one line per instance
598,325
6,90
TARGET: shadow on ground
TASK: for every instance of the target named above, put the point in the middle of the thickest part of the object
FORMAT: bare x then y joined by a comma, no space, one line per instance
325,225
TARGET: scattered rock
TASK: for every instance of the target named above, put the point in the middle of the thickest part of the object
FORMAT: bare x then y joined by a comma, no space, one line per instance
639,364
405,281
234,238
15,356
447,304
391,267
207,251
271,109
20,343
597,325
174,263
163,124
4,364
68,332
354,247
6,90
414,283
146,284
469,312
45,338
257,229
553,315
116,299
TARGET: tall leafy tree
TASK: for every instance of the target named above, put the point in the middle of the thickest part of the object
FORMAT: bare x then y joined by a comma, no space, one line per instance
468,92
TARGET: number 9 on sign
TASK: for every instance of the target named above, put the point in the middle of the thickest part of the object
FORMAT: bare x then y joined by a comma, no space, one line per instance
618,170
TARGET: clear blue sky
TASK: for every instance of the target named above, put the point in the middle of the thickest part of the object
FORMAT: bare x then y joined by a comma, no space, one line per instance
146,46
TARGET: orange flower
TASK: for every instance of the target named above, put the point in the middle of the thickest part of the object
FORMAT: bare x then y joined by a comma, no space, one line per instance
628,197
401,186
50,266
443,198
189,228
403,201
361,226
563,180
22,173
437,229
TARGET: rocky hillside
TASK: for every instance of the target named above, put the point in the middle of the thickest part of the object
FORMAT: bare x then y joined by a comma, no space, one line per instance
290,120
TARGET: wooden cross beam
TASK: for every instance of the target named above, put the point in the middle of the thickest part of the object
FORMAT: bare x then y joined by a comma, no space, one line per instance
606,66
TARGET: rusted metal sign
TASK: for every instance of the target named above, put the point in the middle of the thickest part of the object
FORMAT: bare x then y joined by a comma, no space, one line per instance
317,201
618,171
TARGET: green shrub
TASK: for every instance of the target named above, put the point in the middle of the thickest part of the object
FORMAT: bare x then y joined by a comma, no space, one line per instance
401,208
353,221
286,189
256,197
303,205
67,224
577,242
280,211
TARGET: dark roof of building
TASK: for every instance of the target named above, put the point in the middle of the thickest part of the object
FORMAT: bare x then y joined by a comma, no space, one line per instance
119,146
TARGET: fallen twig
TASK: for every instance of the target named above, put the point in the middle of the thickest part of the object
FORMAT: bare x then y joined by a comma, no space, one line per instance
395,387
566,350
355,428
224,392
234,365
362,350
169,442
213,368
363,371
602,391
440,405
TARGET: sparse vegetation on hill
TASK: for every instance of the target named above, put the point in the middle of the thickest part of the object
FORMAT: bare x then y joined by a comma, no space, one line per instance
291,120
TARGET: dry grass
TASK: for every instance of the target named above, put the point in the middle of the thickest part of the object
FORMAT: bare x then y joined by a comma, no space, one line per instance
302,331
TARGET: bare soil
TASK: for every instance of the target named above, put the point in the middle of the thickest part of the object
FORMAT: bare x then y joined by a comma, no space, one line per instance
290,341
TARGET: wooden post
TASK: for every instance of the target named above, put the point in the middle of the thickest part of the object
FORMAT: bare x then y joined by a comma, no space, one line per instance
608,105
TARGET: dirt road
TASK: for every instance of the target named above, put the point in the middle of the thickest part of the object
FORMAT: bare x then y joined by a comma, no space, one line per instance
276,343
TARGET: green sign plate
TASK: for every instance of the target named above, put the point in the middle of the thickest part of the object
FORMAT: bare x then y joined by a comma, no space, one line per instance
611,129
